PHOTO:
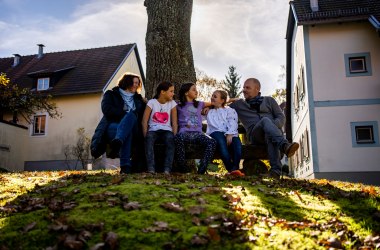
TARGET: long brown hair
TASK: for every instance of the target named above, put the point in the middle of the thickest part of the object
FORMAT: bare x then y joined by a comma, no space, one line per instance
182,94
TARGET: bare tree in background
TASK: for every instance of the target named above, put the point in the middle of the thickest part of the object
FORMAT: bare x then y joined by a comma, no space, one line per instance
206,85
280,94
169,56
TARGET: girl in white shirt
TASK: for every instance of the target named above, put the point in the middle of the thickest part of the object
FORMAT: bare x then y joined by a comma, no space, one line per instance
160,123
222,125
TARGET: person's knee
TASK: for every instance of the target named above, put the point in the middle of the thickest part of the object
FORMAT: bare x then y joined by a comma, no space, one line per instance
266,120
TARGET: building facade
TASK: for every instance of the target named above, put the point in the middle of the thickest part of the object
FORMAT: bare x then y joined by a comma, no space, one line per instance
333,85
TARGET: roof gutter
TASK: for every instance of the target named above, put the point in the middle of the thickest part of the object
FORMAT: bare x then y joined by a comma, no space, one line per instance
374,22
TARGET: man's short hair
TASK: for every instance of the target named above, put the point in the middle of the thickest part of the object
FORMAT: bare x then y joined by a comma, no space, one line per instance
255,81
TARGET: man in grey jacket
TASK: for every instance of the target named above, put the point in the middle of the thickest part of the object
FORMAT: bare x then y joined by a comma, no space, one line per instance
263,120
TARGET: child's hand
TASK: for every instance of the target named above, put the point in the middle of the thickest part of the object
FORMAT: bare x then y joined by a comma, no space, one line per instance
229,139
205,110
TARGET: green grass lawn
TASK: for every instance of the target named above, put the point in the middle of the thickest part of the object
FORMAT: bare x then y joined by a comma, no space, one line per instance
104,210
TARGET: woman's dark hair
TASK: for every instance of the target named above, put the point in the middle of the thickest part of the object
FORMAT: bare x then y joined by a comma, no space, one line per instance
182,94
162,86
127,81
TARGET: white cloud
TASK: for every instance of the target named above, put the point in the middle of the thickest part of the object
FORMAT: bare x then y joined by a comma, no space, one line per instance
244,33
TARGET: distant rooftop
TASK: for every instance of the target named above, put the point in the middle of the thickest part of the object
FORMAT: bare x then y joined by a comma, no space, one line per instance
71,72
335,11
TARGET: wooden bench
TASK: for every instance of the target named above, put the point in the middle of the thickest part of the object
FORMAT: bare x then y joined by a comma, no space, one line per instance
253,155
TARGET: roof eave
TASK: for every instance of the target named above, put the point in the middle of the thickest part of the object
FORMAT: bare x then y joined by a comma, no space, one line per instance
334,20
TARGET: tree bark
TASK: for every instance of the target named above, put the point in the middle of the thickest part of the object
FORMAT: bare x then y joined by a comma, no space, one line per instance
169,56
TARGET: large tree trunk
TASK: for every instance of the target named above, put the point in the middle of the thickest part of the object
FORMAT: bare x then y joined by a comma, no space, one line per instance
168,48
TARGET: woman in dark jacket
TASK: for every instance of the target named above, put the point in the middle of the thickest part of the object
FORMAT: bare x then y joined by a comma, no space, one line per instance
123,108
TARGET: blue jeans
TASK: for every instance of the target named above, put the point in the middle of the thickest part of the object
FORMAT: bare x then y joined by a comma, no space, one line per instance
165,136
266,132
231,163
124,131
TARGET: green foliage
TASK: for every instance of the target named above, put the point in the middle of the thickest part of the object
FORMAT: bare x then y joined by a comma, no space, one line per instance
24,102
232,83
59,210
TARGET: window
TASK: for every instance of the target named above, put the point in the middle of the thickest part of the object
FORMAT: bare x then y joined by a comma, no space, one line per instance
302,83
42,83
39,125
365,134
306,145
358,64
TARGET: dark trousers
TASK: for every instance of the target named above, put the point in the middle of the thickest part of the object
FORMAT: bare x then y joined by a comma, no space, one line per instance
165,136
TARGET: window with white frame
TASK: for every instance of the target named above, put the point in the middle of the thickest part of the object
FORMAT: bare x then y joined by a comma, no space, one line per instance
43,83
39,125
358,64
365,134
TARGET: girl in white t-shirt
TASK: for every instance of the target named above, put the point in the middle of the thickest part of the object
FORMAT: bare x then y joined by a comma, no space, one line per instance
222,125
160,123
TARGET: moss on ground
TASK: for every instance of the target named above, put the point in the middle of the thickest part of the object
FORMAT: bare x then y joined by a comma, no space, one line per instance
78,210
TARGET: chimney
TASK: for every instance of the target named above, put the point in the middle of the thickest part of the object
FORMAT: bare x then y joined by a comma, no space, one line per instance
16,60
314,5
40,50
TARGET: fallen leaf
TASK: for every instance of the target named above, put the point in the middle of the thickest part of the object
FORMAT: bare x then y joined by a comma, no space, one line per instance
198,241
196,210
172,206
29,227
213,233
134,205
111,241
196,221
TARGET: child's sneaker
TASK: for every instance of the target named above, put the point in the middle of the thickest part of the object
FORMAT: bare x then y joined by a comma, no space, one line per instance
237,173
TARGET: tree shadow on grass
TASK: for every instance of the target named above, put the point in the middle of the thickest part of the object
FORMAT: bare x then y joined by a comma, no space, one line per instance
36,219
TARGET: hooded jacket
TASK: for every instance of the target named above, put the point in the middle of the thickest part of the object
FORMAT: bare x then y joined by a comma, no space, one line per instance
112,108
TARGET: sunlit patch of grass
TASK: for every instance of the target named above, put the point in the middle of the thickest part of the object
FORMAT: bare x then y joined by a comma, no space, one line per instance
214,211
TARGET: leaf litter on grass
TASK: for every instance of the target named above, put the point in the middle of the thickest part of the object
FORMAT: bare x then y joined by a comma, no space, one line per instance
104,210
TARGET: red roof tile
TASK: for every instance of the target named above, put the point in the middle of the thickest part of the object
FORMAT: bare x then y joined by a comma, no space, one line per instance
71,72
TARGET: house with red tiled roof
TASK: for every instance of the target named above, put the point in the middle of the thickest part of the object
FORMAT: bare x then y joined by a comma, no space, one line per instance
77,80
333,89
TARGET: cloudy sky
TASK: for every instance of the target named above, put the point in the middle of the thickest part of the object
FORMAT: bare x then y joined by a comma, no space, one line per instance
249,34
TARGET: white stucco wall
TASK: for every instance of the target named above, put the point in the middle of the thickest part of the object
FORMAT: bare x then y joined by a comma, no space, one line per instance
301,118
328,44
335,150
325,47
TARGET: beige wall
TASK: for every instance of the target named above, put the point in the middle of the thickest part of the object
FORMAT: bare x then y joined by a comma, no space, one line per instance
13,147
328,44
335,150
131,66
77,111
